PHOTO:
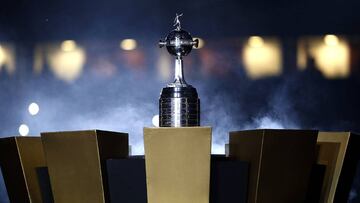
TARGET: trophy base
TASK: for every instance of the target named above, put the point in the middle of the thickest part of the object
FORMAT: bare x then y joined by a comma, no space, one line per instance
179,107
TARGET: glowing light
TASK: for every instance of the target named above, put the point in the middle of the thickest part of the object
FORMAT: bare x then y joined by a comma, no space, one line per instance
331,40
331,55
256,42
65,64
7,58
33,108
2,55
128,44
333,60
262,59
155,120
201,43
68,45
23,130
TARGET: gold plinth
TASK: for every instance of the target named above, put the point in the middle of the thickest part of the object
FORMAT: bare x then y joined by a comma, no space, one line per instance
340,152
280,163
76,163
178,164
19,158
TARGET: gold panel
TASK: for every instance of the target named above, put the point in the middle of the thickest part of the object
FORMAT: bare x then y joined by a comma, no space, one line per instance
76,163
332,150
178,164
19,158
280,163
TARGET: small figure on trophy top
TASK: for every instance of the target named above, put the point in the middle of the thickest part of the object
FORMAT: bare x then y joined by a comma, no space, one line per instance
177,21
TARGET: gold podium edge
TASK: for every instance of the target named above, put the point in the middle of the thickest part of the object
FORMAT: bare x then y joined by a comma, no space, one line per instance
93,138
334,137
27,164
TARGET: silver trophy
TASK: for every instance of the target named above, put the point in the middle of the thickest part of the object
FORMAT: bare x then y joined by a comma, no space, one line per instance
179,104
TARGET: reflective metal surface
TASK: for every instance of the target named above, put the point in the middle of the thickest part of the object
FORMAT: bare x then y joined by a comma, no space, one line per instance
179,105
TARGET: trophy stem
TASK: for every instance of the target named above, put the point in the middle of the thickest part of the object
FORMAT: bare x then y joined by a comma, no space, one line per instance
179,72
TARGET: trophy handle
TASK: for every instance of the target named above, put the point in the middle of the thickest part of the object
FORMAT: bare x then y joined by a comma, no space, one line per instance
162,43
195,43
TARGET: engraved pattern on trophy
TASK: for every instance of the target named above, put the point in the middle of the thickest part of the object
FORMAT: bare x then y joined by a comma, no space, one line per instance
179,104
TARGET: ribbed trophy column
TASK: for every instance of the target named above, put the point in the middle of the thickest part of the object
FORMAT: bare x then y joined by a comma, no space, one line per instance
179,104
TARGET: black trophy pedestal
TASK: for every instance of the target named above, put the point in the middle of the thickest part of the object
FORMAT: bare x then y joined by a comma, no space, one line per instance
45,185
315,183
127,180
229,180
